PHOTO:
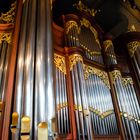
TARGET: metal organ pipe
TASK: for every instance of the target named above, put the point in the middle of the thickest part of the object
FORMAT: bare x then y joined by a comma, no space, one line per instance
28,80
18,94
44,94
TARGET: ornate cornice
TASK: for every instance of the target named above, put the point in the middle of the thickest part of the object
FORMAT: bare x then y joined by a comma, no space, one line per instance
74,59
83,8
132,47
127,81
100,73
60,62
9,17
115,74
107,44
70,25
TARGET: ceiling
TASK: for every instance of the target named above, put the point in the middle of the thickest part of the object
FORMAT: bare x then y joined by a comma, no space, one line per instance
113,17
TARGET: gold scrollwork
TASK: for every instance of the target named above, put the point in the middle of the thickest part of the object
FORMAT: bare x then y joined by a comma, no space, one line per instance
60,62
130,117
78,107
107,44
9,17
127,81
100,73
101,115
74,59
6,37
81,7
132,47
70,25
87,24
62,105
115,74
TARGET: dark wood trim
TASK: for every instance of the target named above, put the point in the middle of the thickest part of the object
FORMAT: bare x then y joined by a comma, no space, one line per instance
70,96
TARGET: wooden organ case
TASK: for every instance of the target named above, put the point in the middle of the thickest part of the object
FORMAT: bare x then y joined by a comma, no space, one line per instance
95,93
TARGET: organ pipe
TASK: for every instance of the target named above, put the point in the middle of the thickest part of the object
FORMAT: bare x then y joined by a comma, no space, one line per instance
44,91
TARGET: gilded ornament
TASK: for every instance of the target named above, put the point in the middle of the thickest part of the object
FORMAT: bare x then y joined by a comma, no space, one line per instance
5,37
127,81
62,105
60,62
132,47
107,44
87,24
74,59
70,25
129,117
9,17
100,73
103,114
115,74
78,107
81,7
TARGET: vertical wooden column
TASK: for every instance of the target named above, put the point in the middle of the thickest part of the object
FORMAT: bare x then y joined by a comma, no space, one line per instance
10,80
70,95
116,108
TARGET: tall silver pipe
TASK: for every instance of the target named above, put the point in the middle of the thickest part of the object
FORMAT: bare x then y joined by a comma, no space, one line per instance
76,105
17,105
44,89
2,65
28,81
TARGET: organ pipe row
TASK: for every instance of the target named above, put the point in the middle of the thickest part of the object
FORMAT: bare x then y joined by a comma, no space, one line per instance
33,107
84,36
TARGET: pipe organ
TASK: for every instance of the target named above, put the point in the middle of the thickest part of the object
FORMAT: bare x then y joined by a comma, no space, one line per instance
67,82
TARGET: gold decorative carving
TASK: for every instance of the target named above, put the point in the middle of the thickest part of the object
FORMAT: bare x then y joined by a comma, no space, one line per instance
127,81
87,24
9,17
107,44
103,114
78,107
62,105
70,25
81,7
5,37
132,28
100,73
115,74
132,47
74,59
60,62
129,117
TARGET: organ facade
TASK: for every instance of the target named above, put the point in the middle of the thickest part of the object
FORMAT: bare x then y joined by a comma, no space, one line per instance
66,80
